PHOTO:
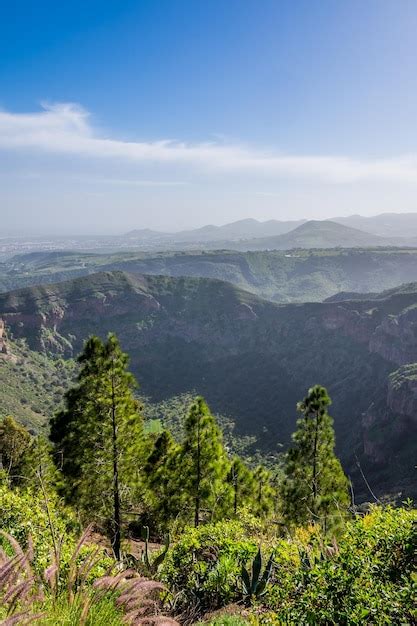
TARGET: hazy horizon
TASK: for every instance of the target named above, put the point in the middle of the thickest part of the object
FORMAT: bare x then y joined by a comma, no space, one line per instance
174,115
42,232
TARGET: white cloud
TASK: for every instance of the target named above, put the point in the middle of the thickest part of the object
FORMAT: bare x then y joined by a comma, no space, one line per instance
66,129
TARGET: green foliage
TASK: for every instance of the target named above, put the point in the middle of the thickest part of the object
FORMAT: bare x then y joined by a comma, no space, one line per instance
264,498
164,495
101,612
226,620
152,563
204,565
32,385
255,582
315,489
258,346
242,481
368,577
15,442
78,594
99,436
204,464
29,514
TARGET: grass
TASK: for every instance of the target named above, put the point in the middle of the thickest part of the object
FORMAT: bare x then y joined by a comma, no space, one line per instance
60,612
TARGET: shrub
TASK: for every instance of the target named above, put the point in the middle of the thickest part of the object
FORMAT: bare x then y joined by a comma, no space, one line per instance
25,514
367,578
204,566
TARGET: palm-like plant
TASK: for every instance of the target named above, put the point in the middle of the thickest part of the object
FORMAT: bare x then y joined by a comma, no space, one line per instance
254,583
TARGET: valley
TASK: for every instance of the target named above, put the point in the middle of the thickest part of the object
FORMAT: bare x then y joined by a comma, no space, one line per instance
251,358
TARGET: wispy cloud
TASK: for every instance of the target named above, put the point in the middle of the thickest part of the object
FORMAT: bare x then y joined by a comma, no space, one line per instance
67,129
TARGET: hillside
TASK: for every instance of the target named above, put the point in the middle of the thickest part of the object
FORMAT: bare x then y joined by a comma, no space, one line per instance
32,384
280,276
252,359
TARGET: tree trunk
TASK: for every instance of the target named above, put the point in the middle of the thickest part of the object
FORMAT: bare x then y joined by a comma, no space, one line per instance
315,490
198,478
116,540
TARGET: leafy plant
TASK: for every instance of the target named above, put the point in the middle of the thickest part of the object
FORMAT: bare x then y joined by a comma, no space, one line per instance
202,567
254,584
147,564
152,564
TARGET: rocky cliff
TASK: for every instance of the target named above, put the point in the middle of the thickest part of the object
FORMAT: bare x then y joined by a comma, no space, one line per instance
251,358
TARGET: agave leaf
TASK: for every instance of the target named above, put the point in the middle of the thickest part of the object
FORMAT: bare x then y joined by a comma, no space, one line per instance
256,570
246,581
268,569
146,559
260,588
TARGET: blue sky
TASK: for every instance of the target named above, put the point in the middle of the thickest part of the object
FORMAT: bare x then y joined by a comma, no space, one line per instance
173,114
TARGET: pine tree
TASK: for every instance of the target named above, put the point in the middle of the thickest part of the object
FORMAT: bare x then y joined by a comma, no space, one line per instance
98,437
315,489
242,482
204,463
264,493
165,495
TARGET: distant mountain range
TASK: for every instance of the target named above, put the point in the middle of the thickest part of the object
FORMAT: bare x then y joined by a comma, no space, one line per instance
251,358
250,234
242,229
384,225
316,234
390,229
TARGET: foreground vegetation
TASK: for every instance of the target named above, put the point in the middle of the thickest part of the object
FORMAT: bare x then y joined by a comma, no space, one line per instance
114,523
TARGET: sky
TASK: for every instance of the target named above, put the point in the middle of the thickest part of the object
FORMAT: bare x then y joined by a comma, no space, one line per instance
172,114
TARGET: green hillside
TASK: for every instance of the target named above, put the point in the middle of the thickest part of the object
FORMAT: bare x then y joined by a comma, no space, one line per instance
32,385
296,276
252,359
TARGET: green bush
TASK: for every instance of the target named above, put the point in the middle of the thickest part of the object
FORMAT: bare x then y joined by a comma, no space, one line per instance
368,578
204,566
24,514
49,525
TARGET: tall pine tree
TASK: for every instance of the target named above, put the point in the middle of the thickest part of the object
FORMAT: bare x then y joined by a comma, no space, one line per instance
165,496
98,436
204,463
315,489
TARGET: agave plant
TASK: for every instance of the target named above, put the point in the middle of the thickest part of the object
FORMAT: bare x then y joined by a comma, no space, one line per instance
147,564
254,583
153,564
